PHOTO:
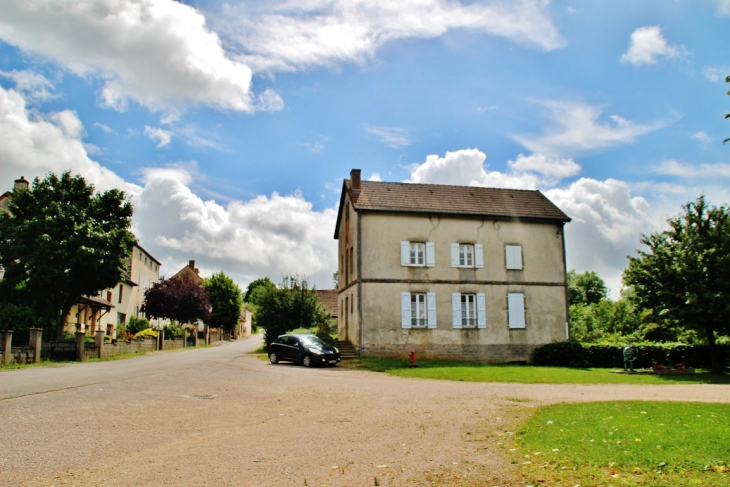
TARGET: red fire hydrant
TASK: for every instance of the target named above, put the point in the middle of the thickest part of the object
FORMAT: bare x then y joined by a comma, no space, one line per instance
412,354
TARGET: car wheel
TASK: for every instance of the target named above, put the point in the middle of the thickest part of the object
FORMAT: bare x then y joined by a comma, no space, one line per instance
273,358
307,361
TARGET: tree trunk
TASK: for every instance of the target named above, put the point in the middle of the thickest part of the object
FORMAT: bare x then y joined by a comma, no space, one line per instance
714,359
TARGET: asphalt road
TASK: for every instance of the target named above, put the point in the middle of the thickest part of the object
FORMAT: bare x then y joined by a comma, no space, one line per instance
220,416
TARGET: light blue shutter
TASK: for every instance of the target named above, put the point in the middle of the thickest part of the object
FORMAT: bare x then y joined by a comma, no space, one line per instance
405,253
516,309
513,256
405,310
431,307
430,254
456,309
479,255
454,255
481,311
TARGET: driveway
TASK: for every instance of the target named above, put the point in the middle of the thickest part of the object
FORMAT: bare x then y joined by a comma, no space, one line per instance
221,416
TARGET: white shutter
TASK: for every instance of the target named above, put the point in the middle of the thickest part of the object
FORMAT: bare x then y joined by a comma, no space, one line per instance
430,254
431,307
513,255
481,311
405,310
456,309
454,255
516,310
405,253
479,255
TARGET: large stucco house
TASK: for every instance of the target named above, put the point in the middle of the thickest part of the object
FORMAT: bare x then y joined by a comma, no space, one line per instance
454,272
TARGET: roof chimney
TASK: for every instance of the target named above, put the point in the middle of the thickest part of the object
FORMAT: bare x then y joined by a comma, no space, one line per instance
191,264
21,183
355,179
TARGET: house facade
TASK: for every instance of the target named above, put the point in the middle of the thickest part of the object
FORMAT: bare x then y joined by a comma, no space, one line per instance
453,272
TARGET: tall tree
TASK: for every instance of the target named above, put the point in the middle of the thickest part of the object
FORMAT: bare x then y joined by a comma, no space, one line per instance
586,288
684,278
179,299
225,301
61,240
257,288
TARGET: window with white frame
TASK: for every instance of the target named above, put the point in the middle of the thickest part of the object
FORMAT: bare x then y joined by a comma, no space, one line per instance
418,310
417,254
516,310
469,310
513,257
467,255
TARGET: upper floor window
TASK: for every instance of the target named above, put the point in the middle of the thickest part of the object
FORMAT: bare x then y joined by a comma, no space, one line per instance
513,257
468,310
417,254
467,255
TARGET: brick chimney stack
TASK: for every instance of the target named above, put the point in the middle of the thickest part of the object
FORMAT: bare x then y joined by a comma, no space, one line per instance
355,179
21,183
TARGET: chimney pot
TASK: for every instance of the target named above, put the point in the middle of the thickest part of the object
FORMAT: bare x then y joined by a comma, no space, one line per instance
355,179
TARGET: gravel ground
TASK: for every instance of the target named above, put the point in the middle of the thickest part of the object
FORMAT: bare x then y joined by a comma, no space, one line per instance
238,420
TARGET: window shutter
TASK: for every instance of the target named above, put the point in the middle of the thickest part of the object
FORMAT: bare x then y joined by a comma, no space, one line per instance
479,255
431,307
481,311
456,309
405,307
516,310
405,253
513,255
454,255
430,254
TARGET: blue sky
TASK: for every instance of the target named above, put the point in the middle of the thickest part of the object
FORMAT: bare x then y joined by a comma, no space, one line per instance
232,124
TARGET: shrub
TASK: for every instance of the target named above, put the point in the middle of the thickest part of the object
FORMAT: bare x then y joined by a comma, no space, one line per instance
137,324
147,332
20,319
172,331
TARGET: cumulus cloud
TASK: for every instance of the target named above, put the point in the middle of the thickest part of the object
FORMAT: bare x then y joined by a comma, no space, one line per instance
647,45
161,136
394,137
285,35
159,53
34,87
576,127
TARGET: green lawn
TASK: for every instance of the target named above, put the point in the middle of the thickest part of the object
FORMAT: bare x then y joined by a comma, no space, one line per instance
475,372
625,443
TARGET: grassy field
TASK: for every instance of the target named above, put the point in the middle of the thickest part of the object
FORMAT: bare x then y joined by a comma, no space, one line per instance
474,372
625,443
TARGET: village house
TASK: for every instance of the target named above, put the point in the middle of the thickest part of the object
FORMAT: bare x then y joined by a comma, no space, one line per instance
454,272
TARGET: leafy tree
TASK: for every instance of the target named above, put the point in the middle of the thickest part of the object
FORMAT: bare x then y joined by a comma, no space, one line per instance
586,288
61,240
684,278
287,308
257,288
19,319
336,279
179,299
225,300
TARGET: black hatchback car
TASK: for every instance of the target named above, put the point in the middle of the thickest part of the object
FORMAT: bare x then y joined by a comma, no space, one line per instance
305,349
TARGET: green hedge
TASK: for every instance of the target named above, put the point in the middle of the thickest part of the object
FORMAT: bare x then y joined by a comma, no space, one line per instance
575,354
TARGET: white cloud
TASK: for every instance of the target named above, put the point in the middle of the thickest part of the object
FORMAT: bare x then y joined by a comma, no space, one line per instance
161,136
723,7
466,167
578,127
269,101
715,74
287,35
702,171
158,53
35,87
647,44
375,177
34,144
394,137
703,138
318,146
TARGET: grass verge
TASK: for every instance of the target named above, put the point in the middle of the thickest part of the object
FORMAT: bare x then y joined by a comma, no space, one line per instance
625,443
476,372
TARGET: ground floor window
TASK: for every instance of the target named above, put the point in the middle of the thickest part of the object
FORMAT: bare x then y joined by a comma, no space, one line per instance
469,310
516,310
418,310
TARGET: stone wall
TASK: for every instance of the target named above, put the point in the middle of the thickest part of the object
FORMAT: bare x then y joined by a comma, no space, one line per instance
471,353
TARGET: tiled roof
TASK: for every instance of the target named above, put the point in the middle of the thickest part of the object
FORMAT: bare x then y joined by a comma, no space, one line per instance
456,200
328,297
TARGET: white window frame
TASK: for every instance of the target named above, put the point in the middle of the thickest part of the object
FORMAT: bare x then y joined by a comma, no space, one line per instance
479,310
428,254
468,311
429,310
419,315
477,255
513,257
516,310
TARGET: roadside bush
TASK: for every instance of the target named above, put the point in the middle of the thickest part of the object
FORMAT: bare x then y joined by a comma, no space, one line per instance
575,354
137,324
20,319
147,332
172,331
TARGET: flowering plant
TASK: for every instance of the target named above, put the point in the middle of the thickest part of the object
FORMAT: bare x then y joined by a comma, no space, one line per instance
657,367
